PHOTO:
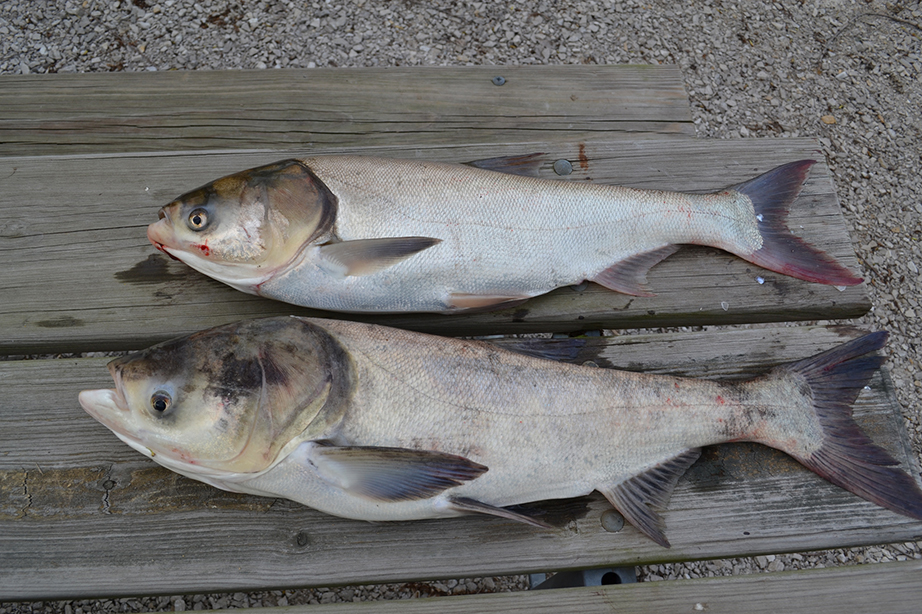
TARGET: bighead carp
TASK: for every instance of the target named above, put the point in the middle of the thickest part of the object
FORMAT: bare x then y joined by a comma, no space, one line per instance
374,423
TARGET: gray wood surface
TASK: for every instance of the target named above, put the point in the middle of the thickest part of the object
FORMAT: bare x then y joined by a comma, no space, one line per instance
84,515
296,109
79,273
894,588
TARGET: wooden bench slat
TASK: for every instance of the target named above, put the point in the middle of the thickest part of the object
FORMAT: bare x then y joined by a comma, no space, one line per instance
284,109
84,515
888,587
79,273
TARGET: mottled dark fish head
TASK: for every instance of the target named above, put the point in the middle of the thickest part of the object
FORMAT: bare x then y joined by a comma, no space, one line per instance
242,228
226,400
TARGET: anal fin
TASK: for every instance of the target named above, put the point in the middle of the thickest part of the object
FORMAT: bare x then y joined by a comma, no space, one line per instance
641,498
472,506
629,276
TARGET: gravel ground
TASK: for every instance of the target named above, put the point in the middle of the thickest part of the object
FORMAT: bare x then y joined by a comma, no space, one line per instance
846,72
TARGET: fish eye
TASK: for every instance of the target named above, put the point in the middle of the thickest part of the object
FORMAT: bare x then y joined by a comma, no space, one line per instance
160,401
198,219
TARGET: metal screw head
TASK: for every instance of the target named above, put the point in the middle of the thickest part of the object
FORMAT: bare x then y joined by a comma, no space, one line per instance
612,521
497,80
563,167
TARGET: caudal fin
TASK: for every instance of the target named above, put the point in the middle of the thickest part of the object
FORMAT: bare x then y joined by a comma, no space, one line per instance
772,194
847,457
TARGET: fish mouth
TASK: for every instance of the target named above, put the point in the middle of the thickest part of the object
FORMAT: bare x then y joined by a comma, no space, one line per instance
159,232
102,403
108,406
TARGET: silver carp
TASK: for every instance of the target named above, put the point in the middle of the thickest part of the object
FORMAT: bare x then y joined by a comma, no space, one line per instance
374,423
364,234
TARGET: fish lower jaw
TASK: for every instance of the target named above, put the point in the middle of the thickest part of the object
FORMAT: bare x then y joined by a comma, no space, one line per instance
137,446
241,277
218,478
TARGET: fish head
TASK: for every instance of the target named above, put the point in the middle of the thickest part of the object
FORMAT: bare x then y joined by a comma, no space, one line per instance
228,400
244,228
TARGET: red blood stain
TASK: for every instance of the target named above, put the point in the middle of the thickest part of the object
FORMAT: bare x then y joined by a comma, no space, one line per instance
185,457
162,248
202,247
720,399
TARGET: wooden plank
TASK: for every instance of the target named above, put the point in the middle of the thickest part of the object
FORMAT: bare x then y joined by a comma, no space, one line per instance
84,515
74,227
894,588
286,109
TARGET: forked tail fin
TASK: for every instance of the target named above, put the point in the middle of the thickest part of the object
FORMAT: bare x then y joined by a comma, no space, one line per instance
846,456
772,194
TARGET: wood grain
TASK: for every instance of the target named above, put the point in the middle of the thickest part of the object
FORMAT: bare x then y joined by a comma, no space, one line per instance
890,587
79,273
84,515
296,109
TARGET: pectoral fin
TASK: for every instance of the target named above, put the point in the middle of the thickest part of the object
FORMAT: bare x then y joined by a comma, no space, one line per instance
390,474
642,497
367,256
629,276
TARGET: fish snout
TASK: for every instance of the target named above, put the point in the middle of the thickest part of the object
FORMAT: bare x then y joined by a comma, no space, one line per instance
160,232
104,404
109,406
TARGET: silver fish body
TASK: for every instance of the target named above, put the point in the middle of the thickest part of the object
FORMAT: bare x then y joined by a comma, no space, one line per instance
362,234
374,423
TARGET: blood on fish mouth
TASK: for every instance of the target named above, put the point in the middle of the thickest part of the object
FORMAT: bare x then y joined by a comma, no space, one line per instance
160,247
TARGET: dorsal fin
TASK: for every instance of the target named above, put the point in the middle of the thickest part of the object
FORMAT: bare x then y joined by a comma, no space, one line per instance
526,165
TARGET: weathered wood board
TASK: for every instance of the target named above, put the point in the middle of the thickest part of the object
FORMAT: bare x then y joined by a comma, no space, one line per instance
84,515
287,109
894,588
79,273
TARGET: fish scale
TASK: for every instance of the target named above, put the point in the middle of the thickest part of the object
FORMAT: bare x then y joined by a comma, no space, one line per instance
498,230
